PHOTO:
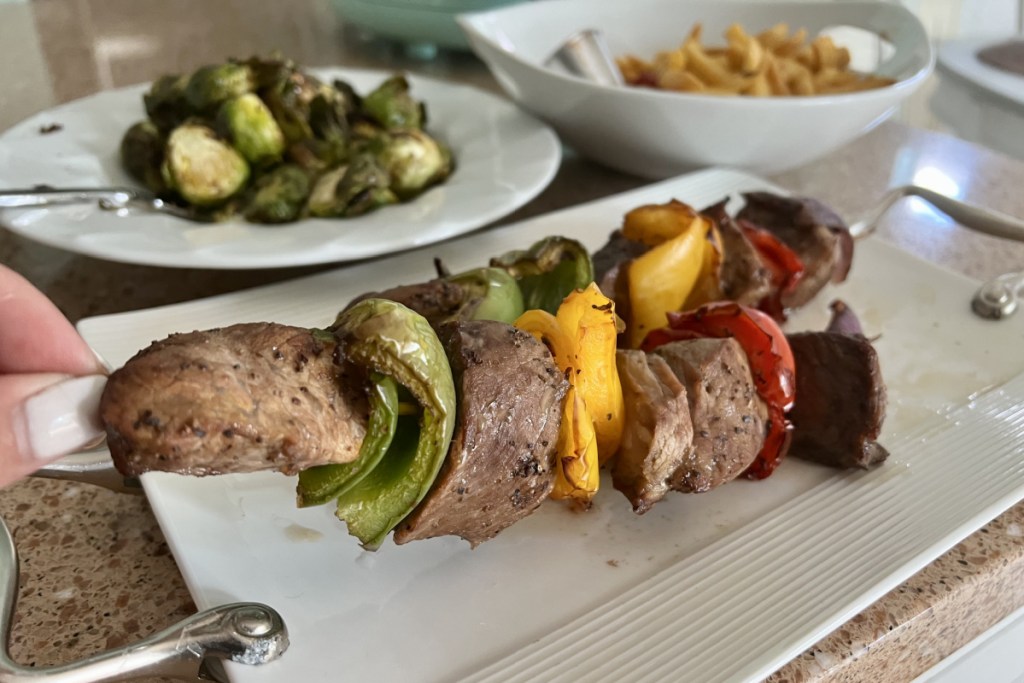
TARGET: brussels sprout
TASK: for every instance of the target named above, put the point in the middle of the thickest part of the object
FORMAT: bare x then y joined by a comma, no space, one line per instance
165,102
415,161
285,100
328,122
142,154
250,126
279,196
268,71
323,200
352,190
353,102
316,156
202,168
365,186
211,85
393,107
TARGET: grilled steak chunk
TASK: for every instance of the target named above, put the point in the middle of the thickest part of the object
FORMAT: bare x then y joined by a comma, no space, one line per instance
745,279
244,398
840,400
436,300
729,418
658,435
812,230
500,466
609,259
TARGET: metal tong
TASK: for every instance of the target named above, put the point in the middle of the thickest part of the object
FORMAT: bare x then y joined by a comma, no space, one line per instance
121,200
192,650
995,299
585,54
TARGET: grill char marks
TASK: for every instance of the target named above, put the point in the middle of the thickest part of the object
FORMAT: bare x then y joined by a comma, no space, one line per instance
244,398
500,466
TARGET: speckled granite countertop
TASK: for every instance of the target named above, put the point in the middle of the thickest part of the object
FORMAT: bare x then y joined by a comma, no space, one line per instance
96,572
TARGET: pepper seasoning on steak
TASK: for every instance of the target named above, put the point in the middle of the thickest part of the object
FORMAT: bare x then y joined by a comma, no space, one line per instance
501,463
729,418
244,398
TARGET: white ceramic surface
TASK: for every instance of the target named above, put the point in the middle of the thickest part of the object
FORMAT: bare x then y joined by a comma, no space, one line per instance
504,158
658,134
727,585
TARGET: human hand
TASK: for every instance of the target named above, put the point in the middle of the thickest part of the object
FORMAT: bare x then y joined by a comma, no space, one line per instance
50,381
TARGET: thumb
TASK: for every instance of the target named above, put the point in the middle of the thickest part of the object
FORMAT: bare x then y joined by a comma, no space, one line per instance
43,417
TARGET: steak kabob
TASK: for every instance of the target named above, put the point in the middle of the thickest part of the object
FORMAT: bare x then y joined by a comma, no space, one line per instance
458,405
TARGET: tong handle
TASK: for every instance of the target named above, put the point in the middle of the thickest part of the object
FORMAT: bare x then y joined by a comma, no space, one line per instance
248,633
971,216
52,196
974,217
90,467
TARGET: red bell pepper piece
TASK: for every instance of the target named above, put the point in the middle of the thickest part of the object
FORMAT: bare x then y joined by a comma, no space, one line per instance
785,265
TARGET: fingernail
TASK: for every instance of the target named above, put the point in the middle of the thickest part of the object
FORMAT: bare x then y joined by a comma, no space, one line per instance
64,417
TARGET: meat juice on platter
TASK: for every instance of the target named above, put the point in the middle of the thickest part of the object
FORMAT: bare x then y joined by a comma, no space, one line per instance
459,405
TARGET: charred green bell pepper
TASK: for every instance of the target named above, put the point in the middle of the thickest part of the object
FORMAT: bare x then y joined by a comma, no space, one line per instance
389,338
548,271
324,483
490,294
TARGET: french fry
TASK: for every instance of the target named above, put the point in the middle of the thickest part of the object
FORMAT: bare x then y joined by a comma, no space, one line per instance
828,53
801,82
776,83
631,67
791,45
714,74
774,62
759,86
683,81
745,53
669,61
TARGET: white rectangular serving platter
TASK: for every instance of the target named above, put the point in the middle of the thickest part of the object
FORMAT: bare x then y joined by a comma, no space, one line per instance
723,586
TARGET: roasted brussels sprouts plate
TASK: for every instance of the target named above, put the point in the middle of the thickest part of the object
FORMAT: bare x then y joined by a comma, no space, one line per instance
718,586
503,158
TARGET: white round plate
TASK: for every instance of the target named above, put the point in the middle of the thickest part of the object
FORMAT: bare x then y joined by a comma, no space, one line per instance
504,157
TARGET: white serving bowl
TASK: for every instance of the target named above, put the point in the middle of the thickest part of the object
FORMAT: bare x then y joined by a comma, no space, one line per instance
656,133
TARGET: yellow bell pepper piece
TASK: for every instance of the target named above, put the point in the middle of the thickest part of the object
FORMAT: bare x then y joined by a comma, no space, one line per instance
578,475
661,279
590,316
709,283
581,338
654,224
